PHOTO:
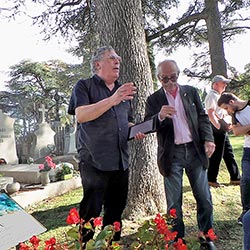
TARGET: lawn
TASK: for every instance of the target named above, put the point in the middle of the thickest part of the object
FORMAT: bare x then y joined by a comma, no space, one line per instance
52,213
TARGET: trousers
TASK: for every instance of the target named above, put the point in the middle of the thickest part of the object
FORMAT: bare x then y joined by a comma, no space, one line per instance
223,150
186,157
105,190
246,230
245,179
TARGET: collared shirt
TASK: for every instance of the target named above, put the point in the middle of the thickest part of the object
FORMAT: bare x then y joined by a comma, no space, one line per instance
211,103
101,143
182,132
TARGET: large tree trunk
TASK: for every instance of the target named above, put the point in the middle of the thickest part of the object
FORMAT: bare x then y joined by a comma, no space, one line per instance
215,38
120,25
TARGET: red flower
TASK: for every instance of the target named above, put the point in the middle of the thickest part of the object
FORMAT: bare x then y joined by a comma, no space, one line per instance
211,235
73,216
23,246
41,166
170,236
117,226
173,213
50,162
50,244
161,224
179,245
98,221
34,241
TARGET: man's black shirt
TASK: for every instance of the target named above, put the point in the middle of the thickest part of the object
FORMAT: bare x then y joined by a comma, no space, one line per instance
101,143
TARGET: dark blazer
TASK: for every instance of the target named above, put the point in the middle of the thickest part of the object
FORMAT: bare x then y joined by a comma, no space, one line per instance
197,120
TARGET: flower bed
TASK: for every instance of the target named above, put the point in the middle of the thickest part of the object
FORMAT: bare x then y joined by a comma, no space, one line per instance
155,233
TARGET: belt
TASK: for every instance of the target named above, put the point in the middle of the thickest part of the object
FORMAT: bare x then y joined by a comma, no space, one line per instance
185,145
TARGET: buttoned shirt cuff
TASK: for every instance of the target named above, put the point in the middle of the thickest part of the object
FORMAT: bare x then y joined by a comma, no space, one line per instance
161,120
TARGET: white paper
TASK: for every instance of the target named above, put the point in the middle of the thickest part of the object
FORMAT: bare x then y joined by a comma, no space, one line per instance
16,225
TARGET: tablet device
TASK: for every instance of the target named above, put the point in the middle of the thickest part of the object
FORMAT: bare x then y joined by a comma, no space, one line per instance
143,127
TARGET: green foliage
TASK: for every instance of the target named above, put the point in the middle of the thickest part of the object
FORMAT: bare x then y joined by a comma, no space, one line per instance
102,239
240,84
156,234
32,84
65,170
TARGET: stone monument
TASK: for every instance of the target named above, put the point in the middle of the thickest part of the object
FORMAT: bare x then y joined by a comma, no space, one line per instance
7,139
72,142
44,137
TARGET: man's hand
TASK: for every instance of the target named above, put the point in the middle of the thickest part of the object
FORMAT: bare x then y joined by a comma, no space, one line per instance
209,148
124,93
139,136
167,111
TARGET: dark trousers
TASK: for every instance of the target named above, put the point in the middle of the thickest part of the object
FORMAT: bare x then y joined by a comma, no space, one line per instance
103,189
246,230
245,180
223,150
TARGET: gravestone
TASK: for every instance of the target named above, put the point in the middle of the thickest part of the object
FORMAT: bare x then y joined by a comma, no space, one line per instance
7,139
44,137
72,142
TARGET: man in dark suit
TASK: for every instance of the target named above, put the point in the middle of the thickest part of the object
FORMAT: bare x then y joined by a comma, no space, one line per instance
185,141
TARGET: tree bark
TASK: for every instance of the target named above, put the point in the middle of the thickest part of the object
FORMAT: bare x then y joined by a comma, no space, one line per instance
215,38
120,25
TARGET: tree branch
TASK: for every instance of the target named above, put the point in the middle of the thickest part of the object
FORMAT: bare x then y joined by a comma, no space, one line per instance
73,3
186,20
236,28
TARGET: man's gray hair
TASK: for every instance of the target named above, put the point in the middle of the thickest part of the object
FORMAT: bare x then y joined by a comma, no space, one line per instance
97,56
158,68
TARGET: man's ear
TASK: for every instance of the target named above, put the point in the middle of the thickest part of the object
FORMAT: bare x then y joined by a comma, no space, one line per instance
97,65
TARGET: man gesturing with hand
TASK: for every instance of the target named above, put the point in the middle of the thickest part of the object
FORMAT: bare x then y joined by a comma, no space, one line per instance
103,112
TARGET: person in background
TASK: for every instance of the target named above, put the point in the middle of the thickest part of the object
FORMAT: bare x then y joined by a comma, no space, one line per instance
220,126
246,230
240,112
103,112
185,141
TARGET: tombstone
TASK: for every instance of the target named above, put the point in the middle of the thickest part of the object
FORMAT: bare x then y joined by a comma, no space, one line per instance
7,139
26,147
44,137
66,139
43,110
71,142
59,136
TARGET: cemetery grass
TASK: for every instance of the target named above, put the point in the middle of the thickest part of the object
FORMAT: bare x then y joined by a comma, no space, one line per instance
52,212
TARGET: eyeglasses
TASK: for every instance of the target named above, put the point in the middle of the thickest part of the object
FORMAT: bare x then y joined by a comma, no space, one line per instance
113,57
167,79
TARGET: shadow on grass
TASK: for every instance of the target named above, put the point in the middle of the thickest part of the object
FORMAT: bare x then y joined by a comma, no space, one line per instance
223,184
54,217
186,189
229,234
127,240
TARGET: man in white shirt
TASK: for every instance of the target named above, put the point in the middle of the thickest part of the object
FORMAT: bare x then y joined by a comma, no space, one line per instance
220,128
